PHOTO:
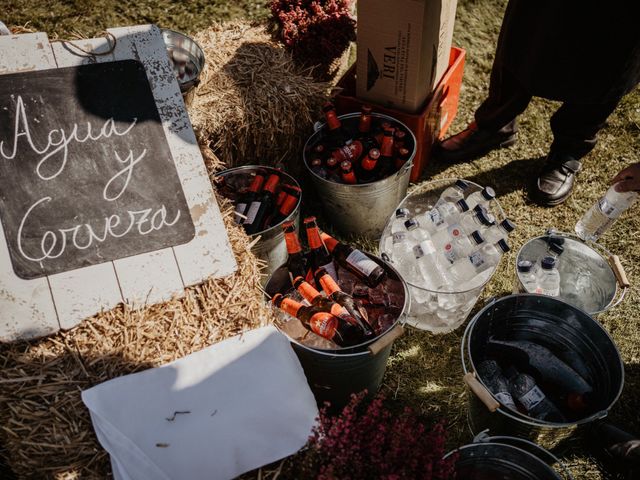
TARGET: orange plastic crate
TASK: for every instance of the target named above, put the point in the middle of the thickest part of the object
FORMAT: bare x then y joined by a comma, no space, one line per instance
431,123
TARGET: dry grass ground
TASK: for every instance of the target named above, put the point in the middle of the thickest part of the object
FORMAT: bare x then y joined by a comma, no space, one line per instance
424,371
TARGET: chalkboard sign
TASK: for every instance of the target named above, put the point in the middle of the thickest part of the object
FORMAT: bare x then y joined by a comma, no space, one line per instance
86,174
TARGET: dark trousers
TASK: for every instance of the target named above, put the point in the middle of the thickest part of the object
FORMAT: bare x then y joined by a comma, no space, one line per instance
574,126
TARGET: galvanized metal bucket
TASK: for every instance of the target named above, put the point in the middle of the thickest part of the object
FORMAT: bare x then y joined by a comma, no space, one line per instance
581,265
186,46
436,320
556,325
507,457
361,209
335,374
268,245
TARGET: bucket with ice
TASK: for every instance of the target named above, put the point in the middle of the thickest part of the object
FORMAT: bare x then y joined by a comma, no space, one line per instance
446,239
588,275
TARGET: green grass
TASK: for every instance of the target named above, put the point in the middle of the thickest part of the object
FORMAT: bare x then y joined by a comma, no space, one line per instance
424,371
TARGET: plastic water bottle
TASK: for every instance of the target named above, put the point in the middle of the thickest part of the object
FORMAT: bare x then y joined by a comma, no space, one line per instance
478,261
491,375
432,275
416,233
482,197
440,217
494,233
548,278
469,222
461,247
453,193
604,213
401,216
533,399
401,250
527,276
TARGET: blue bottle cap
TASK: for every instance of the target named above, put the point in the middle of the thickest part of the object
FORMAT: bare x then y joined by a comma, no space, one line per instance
461,184
402,212
524,266
411,224
464,206
477,237
488,193
508,225
504,246
548,263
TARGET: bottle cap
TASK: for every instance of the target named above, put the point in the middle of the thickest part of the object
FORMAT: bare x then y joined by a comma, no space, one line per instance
332,162
488,193
556,240
319,148
277,299
411,224
477,237
524,266
548,263
288,227
464,206
556,248
345,166
461,184
508,225
418,252
503,245
479,208
311,219
316,162
484,217
402,213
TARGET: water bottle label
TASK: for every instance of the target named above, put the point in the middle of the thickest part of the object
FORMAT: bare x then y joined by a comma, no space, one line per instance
476,259
435,217
608,208
532,398
239,208
505,399
550,292
252,212
361,262
399,237
450,253
427,247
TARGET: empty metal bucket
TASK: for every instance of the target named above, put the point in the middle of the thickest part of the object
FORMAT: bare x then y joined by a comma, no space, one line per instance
591,277
429,308
361,209
269,244
564,330
186,48
500,457
334,374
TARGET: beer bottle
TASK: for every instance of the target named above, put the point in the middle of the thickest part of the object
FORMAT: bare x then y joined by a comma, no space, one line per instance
336,135
347,174
318,168
368,166
320,256
262,206
296,263
352,259
325,324
285,209
386,159
333,291
282,194
246,198
403,156
399,137
351,151
316,299
364,126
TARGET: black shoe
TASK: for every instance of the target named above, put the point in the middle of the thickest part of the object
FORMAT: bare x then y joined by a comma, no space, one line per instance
472,143
556,179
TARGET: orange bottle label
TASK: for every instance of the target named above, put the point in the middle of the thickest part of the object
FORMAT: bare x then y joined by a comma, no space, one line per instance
307,291
293,243
339,311
288,204
329,285
290,306
324,324
329,241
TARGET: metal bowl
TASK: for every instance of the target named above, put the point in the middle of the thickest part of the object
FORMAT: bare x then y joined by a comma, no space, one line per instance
186,56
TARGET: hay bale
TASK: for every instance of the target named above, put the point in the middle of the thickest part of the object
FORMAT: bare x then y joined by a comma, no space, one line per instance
46,429
254,105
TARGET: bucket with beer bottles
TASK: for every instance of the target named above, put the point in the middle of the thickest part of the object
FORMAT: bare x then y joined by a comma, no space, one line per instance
360,173
342,337
264,199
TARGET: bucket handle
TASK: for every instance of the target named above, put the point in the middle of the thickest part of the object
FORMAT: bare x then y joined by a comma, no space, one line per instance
541,453
618,270
383,342
481,391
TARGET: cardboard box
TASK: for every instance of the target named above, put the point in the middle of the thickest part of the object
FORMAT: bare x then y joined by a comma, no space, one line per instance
403,50
430,123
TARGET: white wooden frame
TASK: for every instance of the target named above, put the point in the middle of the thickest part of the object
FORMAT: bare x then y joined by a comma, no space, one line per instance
38,307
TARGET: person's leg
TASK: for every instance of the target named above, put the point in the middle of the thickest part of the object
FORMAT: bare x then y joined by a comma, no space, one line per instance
574,127
495,121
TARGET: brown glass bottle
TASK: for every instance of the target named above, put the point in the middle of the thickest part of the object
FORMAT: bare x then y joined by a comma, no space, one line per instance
352,259
335,134
369,166
262,206
333,291
386,159
246,198
285,209
316,299
403,156
325,324
346,172
296,263
319,254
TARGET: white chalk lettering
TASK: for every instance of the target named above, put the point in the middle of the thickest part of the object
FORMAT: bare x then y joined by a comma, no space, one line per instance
127,172
54,243
58,141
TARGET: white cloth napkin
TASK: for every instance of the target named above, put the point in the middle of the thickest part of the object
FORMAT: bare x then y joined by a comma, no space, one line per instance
249,405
